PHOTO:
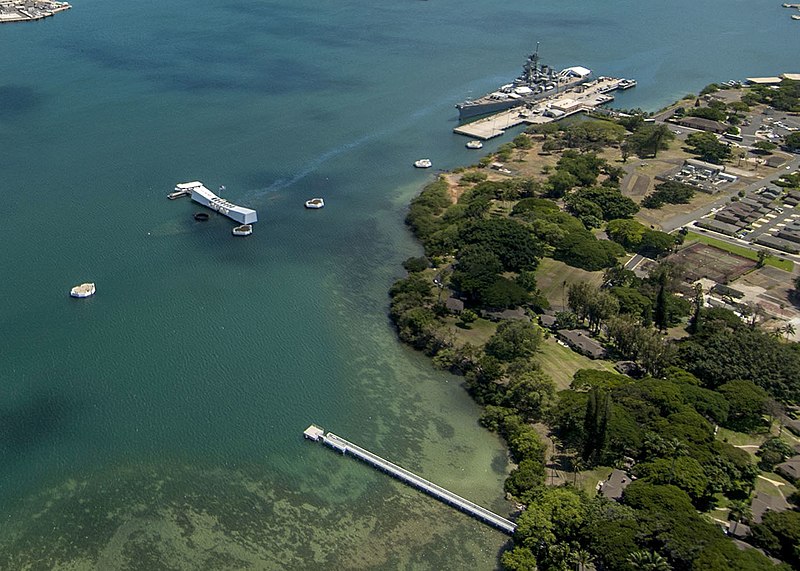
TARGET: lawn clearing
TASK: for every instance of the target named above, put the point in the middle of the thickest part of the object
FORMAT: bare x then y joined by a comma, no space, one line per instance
478,333
551,276
561,362
588,480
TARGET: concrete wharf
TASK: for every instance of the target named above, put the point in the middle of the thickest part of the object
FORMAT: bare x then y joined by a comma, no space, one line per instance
345,447
27,11
584,97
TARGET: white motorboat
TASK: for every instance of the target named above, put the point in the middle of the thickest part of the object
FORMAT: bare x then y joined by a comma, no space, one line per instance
243,230
475,145
314,203
423,164
83,290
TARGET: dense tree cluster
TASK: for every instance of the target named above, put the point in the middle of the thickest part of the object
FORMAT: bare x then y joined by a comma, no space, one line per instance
708,147
785,98
636,237
727,350
669,192
648,139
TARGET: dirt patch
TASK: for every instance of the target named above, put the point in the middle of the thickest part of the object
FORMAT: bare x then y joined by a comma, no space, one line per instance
636,186
703,261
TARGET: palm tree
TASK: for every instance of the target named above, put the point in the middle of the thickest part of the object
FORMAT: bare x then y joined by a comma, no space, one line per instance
674,448
578,464
648,561
582,558
789,330
739,511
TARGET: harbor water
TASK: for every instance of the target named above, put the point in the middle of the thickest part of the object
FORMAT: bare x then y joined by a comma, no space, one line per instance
157,424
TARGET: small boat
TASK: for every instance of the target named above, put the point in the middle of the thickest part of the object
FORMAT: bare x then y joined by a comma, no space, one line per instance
315,203
83,290
201,216
423,164
475,145
243,230
795,17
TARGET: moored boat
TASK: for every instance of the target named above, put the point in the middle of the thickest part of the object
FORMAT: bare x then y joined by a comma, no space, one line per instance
83,290
475,144
243,230
423,163
314,203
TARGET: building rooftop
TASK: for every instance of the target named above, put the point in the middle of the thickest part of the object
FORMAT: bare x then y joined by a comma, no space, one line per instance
764,503
613,486
580,341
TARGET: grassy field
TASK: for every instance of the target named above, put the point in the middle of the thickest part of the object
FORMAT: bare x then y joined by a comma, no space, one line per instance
743,251
551,275
782,488
561,362
740,438
477,334
556,360
587,481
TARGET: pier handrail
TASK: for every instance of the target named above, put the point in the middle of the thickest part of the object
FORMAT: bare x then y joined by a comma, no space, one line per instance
435,490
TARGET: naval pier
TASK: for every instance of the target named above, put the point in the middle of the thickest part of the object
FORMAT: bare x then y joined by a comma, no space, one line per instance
339,444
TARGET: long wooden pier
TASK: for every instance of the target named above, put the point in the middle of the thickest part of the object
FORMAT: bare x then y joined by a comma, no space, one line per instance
346,447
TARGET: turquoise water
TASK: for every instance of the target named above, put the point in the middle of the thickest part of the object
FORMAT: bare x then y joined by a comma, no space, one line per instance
157,424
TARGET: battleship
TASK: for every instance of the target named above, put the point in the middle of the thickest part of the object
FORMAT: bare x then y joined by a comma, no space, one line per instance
536,82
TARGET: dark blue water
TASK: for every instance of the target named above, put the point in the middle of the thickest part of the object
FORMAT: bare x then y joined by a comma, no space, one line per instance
157,424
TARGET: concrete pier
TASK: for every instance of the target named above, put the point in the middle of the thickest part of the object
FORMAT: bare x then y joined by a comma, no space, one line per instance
576,100
24,11
339,444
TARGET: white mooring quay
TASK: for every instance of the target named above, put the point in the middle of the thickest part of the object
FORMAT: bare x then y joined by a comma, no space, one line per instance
202,195
339,444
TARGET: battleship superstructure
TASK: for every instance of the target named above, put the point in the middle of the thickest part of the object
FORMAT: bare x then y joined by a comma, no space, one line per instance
537,81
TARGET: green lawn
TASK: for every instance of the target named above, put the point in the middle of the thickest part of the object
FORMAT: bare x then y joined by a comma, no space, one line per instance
551,275
770,489
740,438
561,362
587,481
743,251
478,333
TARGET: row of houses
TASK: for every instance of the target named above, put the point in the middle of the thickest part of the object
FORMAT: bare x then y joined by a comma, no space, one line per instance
739,215
787,239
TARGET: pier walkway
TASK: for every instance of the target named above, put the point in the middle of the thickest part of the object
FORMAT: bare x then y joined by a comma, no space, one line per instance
345,447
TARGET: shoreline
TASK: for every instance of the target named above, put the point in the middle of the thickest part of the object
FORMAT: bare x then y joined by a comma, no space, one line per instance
435,340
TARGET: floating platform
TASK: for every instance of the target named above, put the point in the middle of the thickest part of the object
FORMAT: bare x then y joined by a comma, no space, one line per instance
339,444
204,196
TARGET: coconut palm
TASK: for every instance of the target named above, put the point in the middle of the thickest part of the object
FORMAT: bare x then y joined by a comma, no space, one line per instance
582,558
739,511
674,448
648,561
